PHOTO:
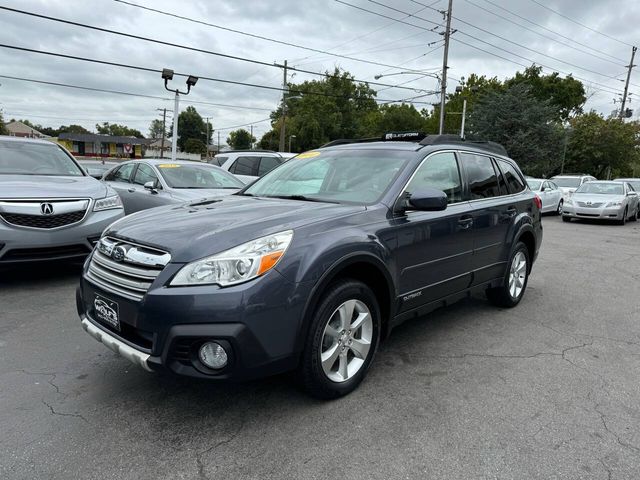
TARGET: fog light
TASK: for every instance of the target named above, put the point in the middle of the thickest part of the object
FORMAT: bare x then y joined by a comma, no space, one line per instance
213,355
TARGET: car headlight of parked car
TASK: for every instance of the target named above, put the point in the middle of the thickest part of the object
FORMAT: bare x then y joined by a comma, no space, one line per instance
108,203
617,203
568,201
239,264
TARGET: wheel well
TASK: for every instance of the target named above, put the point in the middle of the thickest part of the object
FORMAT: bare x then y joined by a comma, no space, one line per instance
371,276
530,242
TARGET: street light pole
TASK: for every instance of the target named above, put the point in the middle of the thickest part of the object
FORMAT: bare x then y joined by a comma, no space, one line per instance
290,137
167,74
164,129
464,114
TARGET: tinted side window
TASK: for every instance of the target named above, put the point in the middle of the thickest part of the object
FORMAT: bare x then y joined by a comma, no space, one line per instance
219,161
123,173
245,166
504,190
516,184
483,182
144,174
439,171
267,164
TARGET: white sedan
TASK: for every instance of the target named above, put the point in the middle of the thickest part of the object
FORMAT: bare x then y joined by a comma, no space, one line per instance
549,193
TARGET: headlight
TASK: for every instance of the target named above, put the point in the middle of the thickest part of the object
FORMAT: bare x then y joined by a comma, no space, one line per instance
107,203
614,204
568,201
240,264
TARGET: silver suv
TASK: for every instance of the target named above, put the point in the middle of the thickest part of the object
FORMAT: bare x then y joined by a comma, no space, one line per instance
50,209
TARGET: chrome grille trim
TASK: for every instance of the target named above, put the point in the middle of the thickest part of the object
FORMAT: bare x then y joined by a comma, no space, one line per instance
125,268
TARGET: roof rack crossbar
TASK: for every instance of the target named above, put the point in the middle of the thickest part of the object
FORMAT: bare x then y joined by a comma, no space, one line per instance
493,147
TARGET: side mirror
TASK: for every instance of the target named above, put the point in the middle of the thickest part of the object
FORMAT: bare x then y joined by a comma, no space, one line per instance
151,186
428,200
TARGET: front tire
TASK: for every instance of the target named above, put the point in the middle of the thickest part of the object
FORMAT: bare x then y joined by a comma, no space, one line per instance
342,340
566,218
624,218
512,290
559,209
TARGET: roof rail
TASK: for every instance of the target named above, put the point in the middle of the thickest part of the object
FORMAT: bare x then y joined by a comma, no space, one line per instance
572,175
387,137
345,141
248,150
455,139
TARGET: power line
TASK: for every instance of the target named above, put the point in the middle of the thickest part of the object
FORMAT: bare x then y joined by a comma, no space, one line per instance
550,31
605,88
153,70
581,24
186,47
497,36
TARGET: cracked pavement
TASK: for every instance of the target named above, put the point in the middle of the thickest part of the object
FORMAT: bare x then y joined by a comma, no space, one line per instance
549,390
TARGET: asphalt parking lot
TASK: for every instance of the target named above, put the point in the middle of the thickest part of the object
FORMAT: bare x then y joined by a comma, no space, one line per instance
549,390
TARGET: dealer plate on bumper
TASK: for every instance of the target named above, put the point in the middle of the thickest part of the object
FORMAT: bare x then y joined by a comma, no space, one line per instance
106,311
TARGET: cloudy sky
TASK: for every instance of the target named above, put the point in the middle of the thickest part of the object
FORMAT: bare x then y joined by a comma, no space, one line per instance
590,39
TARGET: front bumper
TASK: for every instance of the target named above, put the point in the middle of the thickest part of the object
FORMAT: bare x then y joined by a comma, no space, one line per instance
259,323
602,213
20,245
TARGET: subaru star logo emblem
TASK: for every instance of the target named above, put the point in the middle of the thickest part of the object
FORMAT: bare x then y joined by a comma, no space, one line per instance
46,208
118,253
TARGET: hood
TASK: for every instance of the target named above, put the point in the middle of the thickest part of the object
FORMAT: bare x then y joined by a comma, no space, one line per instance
596,198
568,189
49,187
191,194
194,230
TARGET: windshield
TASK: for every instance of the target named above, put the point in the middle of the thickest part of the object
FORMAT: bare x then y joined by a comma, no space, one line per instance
601,188
354,176
534,184
95,167
634,183
567,182
18,158
180,175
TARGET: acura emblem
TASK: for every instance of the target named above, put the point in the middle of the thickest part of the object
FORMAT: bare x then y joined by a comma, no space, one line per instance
46,208
119,253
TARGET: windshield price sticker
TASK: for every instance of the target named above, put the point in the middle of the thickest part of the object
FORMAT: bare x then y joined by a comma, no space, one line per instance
169,165
308,155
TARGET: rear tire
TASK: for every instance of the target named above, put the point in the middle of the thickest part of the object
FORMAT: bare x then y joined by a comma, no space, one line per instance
342,340
509,294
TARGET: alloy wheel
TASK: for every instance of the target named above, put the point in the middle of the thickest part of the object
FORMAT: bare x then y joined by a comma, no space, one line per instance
517,275
346,340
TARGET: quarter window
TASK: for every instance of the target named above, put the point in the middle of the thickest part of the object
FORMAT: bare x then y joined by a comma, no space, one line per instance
439,171
482,178
144,174
246,166
515,182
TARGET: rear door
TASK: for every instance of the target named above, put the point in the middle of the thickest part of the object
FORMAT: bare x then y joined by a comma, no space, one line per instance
494,214
120,180
434,250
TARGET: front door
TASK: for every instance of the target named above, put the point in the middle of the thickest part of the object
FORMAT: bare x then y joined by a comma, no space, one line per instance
434,249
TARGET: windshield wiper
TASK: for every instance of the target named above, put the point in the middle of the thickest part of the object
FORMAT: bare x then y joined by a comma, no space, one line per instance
300,197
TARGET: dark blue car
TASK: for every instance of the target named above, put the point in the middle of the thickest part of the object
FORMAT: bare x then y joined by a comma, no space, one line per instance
312,265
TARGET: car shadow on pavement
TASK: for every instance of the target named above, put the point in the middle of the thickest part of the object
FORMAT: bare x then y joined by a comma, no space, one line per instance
34,274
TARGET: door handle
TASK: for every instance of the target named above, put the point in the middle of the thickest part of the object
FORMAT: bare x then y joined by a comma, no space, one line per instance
465,223
512,211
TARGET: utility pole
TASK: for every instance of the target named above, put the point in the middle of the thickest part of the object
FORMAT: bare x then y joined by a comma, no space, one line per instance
626,85
464,114
207,154
251,137
164,129
443,86
284,108
218,141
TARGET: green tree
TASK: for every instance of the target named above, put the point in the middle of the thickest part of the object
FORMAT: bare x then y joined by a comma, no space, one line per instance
602,146
156,129
3,128
392,118
319,111
194,145
270,140
191,125
566,94
72,129
240,139
523,124
117,130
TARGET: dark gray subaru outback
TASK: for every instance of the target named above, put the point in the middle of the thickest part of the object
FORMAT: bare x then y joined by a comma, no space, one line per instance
309,267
